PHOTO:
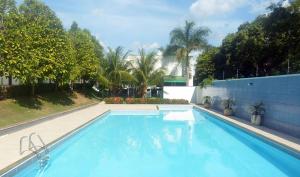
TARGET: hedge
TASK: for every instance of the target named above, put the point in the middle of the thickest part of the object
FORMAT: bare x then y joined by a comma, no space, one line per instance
119,100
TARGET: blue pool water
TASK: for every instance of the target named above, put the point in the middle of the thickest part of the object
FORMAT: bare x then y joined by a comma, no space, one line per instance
185,143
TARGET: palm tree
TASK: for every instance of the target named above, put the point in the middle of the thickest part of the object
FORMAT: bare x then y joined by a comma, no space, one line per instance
146,73
115,70
185,40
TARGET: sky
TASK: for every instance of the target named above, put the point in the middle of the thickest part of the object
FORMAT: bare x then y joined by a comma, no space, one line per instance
147,23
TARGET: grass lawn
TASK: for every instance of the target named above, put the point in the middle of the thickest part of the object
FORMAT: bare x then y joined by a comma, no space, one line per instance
22,109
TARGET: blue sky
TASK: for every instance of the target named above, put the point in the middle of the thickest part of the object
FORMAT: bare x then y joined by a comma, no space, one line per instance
147,23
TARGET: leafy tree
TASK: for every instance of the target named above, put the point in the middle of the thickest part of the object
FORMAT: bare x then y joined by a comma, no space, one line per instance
116,71
205,65
145,72
45,49
86,60
185,40
8,36
269,45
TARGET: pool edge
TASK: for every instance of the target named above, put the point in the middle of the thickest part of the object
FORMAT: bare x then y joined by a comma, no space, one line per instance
289,145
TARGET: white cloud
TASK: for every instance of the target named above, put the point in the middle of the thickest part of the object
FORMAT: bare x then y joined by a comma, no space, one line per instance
208,8
260,6
204,8
150,46
97,12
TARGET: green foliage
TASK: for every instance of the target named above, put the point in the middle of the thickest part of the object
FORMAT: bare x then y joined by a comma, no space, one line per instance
115,71
257,109
269,45
87,63
145,72
228,103
205,67
206,82
185,40
34,46
207,100
119,100
113,100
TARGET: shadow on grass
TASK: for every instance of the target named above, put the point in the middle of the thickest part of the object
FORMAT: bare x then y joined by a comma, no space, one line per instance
61,98
29,102
90,93
57,98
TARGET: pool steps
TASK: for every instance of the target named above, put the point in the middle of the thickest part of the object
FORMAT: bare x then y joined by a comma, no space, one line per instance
41,151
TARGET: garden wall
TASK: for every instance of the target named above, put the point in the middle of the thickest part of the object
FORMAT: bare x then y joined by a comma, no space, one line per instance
280,94
181,92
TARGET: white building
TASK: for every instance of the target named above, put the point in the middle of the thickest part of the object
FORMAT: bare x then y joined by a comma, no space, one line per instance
174,72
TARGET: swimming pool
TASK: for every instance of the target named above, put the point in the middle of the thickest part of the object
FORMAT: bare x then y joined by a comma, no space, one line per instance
166,143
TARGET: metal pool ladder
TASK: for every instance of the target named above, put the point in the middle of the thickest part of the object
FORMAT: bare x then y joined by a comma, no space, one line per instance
41,151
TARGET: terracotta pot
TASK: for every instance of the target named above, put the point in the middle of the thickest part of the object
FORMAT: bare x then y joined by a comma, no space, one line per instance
206,105
256,119
228,112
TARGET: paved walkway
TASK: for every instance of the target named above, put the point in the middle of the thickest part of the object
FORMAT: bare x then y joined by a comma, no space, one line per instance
56,128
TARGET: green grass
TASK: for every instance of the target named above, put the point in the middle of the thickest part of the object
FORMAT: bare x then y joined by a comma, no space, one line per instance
23,109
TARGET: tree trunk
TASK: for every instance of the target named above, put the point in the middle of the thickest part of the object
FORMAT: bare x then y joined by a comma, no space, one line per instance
143,90
10,80
32,89
188,70
56,87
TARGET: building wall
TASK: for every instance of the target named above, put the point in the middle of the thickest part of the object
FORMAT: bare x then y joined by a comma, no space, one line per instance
170,64
280,94
5,81
181,92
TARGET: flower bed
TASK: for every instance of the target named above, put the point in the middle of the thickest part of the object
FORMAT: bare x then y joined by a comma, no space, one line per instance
119,100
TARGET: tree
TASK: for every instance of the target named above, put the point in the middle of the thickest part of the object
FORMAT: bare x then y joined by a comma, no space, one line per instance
205,67
45,49
185,40
145,72
116,71
87,64
8,35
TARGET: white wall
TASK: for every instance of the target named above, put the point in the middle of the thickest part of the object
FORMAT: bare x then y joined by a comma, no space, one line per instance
182,92
5,81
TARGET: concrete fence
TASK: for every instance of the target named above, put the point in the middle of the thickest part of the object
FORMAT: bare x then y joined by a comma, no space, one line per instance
280,95
182,92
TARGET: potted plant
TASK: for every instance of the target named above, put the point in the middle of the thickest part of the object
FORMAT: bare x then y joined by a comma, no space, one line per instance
257,111
207,102
227,104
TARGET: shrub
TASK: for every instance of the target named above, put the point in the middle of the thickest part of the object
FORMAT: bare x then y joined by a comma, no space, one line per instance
113,100
129,100
179,101
150,101
257,109
154,101
228,103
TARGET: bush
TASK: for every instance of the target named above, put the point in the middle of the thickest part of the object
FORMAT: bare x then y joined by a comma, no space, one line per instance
129,100
148,101
113,100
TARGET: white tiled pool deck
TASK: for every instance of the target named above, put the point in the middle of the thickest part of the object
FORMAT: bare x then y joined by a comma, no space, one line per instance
53,129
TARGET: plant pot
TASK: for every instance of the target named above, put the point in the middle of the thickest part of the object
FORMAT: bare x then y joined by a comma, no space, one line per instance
228,112
206,105
256,119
